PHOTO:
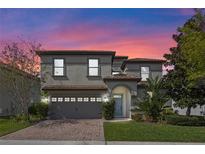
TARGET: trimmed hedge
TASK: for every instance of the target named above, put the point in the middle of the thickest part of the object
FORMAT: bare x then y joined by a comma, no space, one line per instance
182,120
108,109
39,109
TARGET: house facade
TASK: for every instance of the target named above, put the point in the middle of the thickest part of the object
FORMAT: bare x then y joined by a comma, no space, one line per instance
78,81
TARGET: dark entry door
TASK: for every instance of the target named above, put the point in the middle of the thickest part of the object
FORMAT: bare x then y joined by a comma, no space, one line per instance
118,105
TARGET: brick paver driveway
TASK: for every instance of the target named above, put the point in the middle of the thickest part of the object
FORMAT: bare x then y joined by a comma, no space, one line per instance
75,130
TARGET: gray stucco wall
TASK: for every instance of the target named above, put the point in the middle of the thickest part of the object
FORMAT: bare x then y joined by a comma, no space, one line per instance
141,92
8,102
77,92
131,85
117,63
135,68
76,69
155,69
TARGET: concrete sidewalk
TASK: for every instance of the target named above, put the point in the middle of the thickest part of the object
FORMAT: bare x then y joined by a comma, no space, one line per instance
150,143
48,142
60,142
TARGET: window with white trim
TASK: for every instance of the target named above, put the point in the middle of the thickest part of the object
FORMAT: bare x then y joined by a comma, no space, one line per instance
99,99
144,73
80,99
53,99
92,99
93,67
58,67
67,99
60,99
86,99
72,99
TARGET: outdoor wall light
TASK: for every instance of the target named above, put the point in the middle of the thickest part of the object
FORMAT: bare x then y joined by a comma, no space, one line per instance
105,98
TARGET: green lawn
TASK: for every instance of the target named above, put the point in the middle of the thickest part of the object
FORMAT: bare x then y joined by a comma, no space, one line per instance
9,125
135,131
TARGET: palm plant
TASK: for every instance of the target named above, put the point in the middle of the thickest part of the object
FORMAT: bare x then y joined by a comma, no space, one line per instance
152,103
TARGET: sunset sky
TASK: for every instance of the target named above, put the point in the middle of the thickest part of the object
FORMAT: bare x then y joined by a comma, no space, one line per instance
132,32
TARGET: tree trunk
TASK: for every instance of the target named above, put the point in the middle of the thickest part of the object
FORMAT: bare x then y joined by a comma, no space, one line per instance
188,111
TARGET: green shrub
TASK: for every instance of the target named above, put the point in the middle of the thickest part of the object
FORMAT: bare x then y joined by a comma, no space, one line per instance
138,117
185,120
167,111
39,109
108,109
21,117
35,118
153,101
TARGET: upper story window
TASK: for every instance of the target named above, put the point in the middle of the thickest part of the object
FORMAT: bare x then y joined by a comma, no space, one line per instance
93,67
58,67
144,73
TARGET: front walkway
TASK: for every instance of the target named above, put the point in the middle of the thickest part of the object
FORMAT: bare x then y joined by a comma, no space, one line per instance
69,130
119,120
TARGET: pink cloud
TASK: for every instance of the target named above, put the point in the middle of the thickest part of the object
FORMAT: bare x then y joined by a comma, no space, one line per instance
148,46
153,45
83,32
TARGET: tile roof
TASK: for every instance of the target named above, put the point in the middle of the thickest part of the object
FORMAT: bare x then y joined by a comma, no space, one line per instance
75,87
144,60
75,52
136,60
121,57
122,77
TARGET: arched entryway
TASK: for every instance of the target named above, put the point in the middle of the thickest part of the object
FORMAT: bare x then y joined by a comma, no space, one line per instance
122,97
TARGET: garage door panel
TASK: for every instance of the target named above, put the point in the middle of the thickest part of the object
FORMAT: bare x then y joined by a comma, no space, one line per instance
75,110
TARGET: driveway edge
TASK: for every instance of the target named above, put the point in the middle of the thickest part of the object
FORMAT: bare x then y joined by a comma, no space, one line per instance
49,142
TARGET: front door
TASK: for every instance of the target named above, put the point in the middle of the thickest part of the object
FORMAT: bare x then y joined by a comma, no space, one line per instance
118,105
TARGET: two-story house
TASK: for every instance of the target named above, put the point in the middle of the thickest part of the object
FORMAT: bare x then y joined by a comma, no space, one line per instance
78,81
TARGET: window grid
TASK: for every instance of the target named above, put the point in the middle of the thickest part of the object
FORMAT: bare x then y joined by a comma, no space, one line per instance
144,73
80,99
86,99
92,99
67,99
72,99
53,99
58,67
93,67
99,99
60,99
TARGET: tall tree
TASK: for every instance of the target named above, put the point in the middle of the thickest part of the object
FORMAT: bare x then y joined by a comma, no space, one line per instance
182,81
21,55
192,44
19,68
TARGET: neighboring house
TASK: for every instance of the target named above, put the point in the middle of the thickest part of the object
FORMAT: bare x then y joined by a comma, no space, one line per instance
9,104
78,81
198,110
